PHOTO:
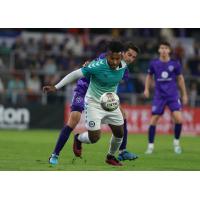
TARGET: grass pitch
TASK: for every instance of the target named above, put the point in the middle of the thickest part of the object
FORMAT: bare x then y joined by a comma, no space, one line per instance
29,151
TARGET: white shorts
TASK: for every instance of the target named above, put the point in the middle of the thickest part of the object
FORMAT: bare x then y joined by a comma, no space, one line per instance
95,115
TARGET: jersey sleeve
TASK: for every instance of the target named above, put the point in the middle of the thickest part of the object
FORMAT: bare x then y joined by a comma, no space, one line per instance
90,69
151,69
178,69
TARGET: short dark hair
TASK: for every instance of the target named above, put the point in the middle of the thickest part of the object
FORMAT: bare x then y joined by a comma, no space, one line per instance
165,43
130,45
115,46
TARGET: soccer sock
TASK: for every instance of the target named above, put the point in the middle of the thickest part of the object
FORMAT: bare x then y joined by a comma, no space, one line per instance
152,131
114,144
124,141
177,133
64,136
84,137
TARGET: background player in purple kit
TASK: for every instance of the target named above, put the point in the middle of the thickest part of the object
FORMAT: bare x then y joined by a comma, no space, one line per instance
168,77
77,107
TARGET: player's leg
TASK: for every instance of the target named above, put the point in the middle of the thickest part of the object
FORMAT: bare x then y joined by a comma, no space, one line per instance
93,118
157,110
74,118
151,133
123,153
115,121
115,142
175,107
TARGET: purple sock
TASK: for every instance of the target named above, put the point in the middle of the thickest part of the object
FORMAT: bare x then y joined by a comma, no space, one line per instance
124,141
152,131
63,137
177,131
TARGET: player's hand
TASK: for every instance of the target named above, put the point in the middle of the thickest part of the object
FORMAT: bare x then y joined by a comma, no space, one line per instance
146,93
185,100
49,88
86,63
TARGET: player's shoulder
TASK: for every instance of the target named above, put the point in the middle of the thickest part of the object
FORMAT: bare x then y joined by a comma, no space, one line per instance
175,61
97,63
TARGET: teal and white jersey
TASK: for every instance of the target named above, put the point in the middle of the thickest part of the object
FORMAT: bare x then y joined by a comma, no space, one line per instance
102,78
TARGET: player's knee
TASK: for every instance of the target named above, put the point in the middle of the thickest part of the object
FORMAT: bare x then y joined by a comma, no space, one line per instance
154,120
74,119
178,120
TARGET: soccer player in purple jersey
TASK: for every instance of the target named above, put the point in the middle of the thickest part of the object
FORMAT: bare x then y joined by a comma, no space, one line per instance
168,78
77,107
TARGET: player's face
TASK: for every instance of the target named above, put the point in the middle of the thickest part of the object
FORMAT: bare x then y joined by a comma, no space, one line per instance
129,56
114,59
164,50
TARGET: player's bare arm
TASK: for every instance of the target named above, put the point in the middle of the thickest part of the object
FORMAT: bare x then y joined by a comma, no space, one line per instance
147,85
181,84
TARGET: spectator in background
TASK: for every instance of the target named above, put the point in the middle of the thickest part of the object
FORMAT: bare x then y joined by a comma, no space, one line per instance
4,49
193,94
44,44
196,47
179,52
16,89
2,90
55,49
20,53
63,61
31,46
33,87
167,34
50,71
2,66
75,45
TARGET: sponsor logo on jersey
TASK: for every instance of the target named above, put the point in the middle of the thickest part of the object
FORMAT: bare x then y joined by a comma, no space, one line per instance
164,75
171,68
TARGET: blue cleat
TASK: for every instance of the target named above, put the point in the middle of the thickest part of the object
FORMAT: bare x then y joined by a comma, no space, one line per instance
125,155
53,160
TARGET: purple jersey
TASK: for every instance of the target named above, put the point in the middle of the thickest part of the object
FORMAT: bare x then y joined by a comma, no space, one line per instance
82,86
165,74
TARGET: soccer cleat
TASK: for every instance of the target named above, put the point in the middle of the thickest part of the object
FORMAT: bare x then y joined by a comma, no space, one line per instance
77,146
125,155
111,160
53,160
177,149
149,151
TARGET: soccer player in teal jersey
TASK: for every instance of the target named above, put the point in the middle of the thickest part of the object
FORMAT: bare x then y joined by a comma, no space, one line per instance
105,76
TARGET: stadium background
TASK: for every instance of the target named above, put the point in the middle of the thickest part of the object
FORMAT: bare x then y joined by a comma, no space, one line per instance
30,120
31,58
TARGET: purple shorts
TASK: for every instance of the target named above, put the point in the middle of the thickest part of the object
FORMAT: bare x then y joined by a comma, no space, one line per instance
159,104
77,102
